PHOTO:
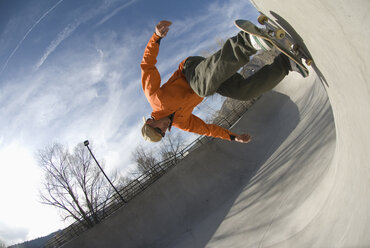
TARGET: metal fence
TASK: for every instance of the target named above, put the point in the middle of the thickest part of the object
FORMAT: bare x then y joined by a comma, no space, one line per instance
138,185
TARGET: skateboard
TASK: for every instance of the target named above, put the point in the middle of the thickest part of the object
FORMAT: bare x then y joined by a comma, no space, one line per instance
277,37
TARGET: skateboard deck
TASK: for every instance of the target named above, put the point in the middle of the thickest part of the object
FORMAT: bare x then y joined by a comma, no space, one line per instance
278,38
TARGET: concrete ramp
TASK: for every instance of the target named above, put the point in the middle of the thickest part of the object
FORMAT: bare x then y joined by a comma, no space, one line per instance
304,181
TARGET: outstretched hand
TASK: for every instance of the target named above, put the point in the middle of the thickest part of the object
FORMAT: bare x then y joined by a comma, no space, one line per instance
243,138
162,28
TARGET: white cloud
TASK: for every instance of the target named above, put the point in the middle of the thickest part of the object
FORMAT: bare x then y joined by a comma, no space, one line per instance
116,11
70,28
27,33
55,43
12,234
19,182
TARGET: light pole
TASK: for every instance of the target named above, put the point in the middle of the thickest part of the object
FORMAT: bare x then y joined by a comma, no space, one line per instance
86,143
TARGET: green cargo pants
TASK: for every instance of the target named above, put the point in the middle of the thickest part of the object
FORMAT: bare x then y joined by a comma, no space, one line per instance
218,73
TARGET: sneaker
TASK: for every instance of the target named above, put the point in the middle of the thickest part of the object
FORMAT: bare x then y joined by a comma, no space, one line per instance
297,68
259,43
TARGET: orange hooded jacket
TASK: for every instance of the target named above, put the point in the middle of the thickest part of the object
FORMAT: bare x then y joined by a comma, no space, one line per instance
176,96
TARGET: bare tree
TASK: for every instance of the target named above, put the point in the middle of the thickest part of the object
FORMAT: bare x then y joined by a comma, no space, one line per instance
123,181
73,184
171,145
144,159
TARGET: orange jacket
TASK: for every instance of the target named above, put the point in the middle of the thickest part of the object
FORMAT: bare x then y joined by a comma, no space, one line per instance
175,96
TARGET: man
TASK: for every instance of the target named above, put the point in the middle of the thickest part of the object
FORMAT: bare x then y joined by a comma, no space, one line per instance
199,77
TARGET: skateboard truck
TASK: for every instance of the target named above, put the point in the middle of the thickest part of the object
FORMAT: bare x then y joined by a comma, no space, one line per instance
278,33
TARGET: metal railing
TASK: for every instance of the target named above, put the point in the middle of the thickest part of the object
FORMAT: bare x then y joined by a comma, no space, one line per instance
138,185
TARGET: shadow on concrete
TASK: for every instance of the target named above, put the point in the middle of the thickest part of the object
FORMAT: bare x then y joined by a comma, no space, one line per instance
284,170
269,123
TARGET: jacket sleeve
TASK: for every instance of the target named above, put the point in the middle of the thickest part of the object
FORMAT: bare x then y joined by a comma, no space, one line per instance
150,77
197,125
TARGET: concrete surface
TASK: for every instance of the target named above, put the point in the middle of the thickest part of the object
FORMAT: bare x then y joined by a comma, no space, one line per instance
304,181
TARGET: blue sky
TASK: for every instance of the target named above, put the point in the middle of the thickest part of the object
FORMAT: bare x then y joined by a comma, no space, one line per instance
69,71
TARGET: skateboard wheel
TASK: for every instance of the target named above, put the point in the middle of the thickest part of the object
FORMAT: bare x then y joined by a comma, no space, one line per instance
309,62
279,34
295,47
262,19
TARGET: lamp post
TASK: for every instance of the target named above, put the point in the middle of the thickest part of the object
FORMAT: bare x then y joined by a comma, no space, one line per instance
86,143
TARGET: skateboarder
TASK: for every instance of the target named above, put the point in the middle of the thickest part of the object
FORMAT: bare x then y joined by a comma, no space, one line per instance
199,77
